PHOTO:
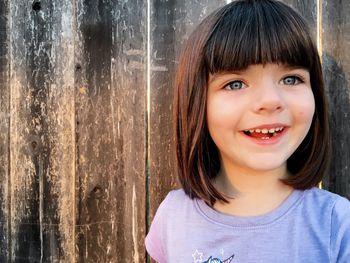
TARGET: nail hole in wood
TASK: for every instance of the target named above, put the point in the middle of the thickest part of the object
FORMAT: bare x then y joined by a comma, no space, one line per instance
97,190
34,144
36,6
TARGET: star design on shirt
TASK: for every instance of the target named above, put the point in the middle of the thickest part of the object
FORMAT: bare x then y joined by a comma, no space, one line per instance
197,256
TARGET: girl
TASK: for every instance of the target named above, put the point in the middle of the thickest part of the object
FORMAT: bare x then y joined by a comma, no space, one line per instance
252,143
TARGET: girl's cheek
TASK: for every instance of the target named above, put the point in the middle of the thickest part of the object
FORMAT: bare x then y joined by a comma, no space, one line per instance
305,106
218,106
307,112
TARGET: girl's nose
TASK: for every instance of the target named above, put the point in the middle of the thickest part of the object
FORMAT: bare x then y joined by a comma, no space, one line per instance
268,99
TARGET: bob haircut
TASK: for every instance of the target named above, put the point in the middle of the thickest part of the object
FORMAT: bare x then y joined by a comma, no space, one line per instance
240,34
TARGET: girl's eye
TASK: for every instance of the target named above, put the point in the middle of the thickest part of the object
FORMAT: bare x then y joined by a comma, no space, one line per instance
235,85
291,80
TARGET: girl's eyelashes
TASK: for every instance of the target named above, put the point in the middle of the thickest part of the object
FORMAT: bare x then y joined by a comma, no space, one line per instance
235,85
292,80
287,80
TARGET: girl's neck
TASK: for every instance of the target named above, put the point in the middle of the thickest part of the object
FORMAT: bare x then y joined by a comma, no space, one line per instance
251,194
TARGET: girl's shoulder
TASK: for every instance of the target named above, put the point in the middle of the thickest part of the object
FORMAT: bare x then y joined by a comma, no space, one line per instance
337,209
175,200
171,212
176,195
326,203
333,210
318,201
322,198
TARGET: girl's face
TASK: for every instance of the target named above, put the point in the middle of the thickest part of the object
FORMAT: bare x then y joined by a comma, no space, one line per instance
258,117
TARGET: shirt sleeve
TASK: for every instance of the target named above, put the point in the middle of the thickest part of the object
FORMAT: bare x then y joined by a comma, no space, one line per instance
154,239
340,232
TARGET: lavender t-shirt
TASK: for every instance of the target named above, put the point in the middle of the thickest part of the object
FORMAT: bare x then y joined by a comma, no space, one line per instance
311,226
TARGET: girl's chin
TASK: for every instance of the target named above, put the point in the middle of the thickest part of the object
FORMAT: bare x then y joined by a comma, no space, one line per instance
264,166
267,166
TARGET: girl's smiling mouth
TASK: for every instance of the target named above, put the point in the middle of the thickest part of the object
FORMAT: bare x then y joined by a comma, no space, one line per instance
266,134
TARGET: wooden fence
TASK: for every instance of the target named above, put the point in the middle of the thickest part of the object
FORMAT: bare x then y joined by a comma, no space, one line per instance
85,119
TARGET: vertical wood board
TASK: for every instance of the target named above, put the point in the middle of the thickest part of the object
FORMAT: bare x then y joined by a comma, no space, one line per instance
110,112
27,135
42,132
308,9
4,132
336,64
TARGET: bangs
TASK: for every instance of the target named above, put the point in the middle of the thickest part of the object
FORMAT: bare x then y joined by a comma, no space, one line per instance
256,32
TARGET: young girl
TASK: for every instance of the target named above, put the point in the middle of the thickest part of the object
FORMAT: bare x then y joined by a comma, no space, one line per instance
252,143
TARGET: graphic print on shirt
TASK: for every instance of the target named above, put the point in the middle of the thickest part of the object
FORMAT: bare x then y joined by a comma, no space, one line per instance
198,258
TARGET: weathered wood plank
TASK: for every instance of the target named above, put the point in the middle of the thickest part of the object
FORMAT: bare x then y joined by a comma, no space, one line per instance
171,23
336,64
4,133
42,131
111,132
308,9
59,185
26,142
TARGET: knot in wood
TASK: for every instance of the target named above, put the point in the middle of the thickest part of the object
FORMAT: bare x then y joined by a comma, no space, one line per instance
36,6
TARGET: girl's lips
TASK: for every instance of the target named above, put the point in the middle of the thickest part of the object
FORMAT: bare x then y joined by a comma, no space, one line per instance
263,138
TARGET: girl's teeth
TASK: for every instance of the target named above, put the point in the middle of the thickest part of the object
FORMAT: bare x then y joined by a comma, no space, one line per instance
265,131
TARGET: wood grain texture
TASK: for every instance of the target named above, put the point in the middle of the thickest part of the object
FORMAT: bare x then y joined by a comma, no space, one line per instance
42,132
336,64
111,132
4,133
308,9
27,135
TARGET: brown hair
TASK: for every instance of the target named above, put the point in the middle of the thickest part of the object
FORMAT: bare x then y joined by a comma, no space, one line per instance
235,36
